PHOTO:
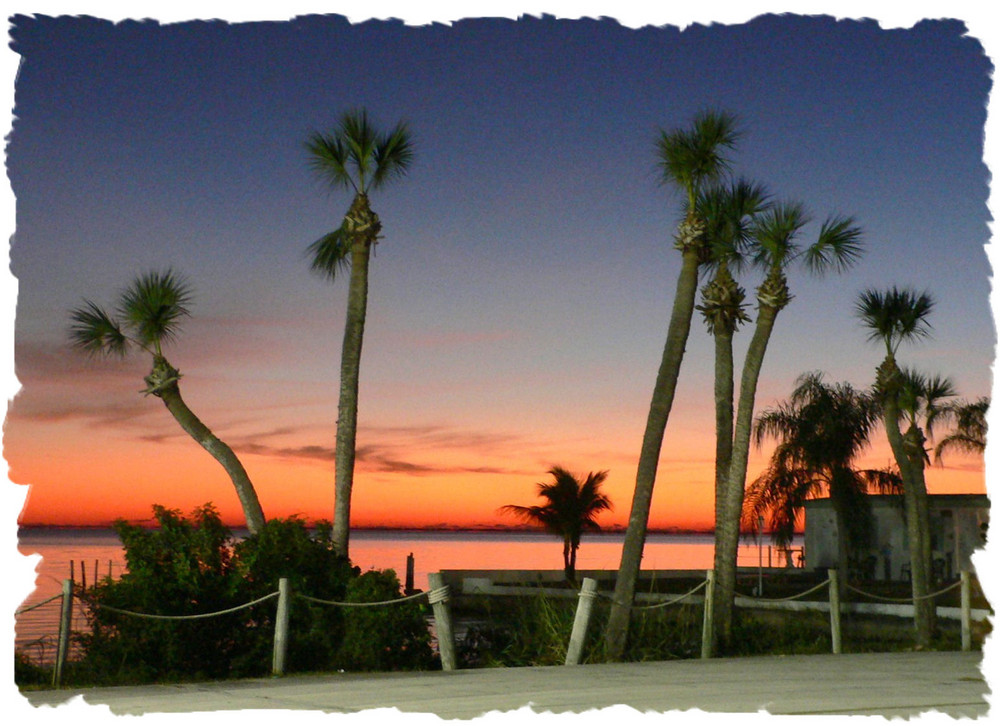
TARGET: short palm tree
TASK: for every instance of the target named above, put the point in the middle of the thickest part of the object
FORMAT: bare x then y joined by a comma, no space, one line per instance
359,158
969,435
689,160
570,509
148,315
776,245
820,432
893,317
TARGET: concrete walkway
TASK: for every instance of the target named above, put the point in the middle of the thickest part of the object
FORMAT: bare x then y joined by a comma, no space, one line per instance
887,684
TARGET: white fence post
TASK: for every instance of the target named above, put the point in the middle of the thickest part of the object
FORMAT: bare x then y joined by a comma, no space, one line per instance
65,625
584,606
707,637
966,611
834,610
438,598
281,629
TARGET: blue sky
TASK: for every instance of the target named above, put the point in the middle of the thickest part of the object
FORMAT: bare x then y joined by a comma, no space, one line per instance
520,296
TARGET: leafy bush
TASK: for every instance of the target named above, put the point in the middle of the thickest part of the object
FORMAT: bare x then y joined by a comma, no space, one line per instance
383,638
285,548
194,566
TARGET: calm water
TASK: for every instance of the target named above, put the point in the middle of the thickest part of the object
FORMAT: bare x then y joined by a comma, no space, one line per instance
432,551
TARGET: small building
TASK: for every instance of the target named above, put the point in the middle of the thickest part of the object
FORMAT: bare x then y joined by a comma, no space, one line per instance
958,528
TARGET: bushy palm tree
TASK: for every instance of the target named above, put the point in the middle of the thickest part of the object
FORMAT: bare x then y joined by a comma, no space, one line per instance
689,159
776,245
969,418
359,158
820,432
148,315
570,509
893,317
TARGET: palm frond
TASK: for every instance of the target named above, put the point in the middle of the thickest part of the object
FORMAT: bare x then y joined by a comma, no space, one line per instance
95,332
153,306
393,155
838,247
690,158
895,315
331,253
774,233
328,158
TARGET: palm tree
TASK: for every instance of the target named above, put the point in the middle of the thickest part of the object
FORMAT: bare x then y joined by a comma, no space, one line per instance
689,160
148,315
359,158
893,317
776,245
969,435
821,430
728,213
569,509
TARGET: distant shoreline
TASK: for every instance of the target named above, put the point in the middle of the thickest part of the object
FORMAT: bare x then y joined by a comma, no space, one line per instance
610,531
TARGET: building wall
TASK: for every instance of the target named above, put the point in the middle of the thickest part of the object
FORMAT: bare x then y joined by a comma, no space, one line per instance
958,523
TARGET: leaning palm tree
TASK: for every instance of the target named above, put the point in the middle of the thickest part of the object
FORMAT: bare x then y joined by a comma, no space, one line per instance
148,315
969,418
893,317
689,160
570,508
776,244
820,432
359,158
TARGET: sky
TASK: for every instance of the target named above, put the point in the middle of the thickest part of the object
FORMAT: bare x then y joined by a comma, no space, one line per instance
520,296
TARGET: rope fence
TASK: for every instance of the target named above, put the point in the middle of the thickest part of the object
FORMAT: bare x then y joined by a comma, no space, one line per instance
438,597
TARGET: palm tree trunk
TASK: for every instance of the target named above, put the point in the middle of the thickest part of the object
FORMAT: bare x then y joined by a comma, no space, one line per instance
843,549
925,610
350,369
162,382
915,534
649,456
727,525
723,414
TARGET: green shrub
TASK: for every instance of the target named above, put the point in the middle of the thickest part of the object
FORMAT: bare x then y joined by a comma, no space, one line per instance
194,566
383,638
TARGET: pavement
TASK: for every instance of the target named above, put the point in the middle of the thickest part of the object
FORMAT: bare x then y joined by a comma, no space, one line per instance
886,684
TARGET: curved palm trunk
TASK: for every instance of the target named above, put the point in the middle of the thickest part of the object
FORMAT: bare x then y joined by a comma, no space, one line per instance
917,532
162,383
727,525
616,633
350,369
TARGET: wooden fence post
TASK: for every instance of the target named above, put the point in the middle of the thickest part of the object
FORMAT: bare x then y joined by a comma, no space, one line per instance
65,624
707,636
966,610
281,629
584,605
438,598
834,610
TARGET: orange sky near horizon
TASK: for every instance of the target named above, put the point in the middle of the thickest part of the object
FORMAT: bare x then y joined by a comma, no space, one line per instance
126,478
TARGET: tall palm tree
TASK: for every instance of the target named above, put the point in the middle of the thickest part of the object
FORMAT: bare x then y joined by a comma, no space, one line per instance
969,418
893,317
689,159
776,245
148,315
728,212
570,508
821,431
359,158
